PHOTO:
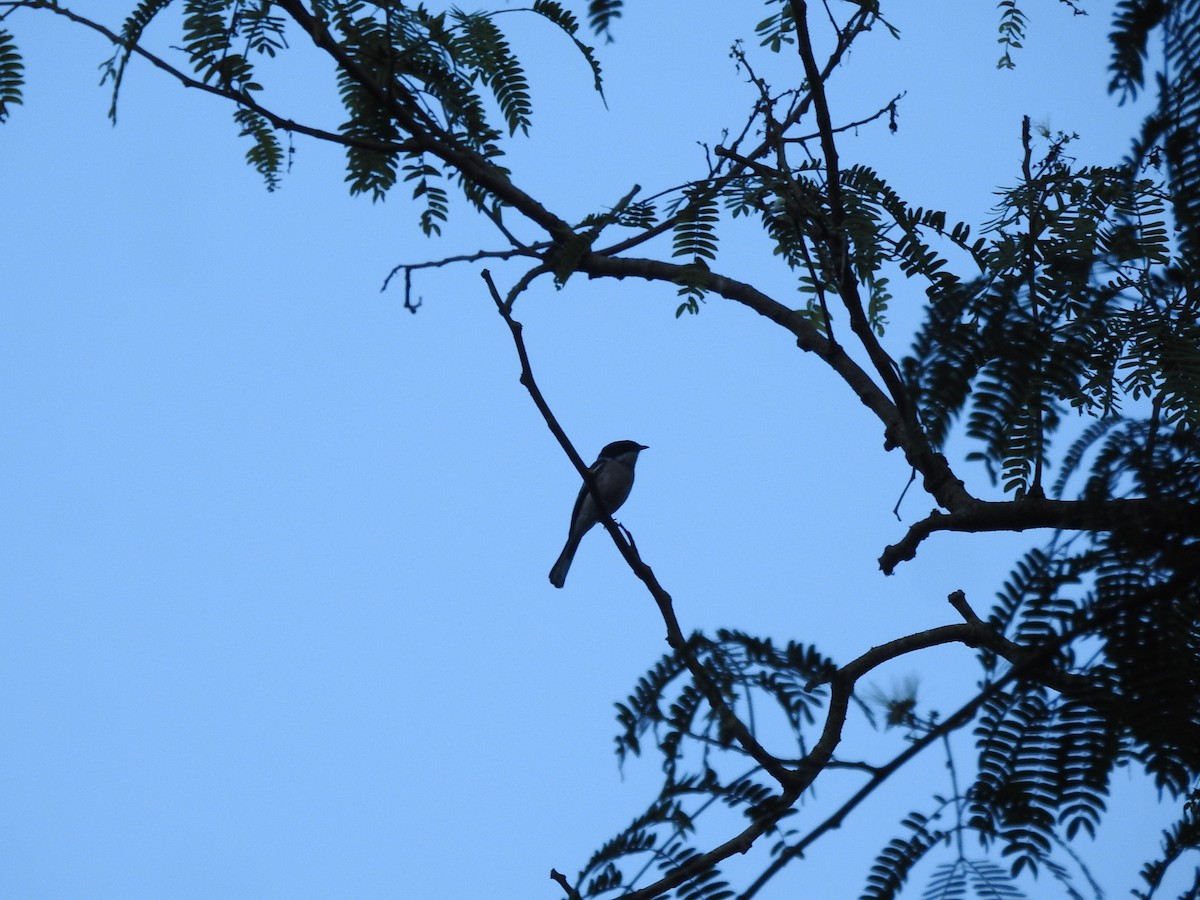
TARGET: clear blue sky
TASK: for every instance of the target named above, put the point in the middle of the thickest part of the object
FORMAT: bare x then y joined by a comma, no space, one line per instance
274,615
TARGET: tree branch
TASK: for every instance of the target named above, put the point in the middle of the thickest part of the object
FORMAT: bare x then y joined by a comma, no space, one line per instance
858,22
1034,512
1027,663
465,257
427,134
241,99
562,882
675,638
836,239
712,692
938,478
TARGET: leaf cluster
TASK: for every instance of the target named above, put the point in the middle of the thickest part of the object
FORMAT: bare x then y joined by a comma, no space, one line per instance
11,75
667,706
985,880
1120,612
406,75
1067,314
874,231
1169,133
892,867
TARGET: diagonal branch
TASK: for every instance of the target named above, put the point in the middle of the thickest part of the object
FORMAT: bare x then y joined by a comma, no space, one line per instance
712,691
426,134
240,98
675,638
836,239
899,431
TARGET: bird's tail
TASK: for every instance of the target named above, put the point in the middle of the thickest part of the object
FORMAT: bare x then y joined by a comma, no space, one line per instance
558,574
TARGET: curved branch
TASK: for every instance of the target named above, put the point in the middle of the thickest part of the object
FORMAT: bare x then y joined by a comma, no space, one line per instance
973,632
1027,662
938,478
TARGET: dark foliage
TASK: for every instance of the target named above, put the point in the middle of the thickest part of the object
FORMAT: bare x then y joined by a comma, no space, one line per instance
1172,132
1072,315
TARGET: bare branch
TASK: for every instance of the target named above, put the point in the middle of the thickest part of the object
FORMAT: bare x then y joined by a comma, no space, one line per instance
561,879
462,258
1034,512
889,110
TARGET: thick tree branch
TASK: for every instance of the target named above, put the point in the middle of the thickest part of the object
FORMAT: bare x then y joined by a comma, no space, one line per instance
1034,512
938,478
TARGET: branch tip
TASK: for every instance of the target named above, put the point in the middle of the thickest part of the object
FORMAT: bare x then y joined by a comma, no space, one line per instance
561,880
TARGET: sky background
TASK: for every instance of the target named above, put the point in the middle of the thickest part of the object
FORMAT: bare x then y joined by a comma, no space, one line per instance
274,615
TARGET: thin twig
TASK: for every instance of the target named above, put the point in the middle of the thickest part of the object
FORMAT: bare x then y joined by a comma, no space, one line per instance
462,258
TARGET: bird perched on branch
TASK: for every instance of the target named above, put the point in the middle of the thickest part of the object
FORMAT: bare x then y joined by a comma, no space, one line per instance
612,474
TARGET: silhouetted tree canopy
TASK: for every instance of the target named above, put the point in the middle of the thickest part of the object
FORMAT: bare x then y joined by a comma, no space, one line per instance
1065,330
